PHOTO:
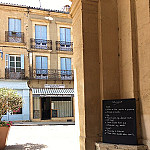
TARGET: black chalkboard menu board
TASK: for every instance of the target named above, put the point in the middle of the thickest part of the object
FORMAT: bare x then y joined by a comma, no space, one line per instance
119,121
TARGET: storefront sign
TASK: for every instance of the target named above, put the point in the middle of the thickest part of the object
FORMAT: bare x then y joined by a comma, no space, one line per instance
54,86
59,95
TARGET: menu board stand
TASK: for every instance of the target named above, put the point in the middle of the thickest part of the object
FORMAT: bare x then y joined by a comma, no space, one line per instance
119,121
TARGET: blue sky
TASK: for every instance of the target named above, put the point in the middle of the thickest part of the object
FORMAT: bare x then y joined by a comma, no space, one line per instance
49,4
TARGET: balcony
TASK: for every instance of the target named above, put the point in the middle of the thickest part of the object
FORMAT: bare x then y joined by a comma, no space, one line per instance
64,46
41,44
11,74
14,37
52,74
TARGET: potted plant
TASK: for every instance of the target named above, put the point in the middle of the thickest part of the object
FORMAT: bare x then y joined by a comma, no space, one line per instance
10,101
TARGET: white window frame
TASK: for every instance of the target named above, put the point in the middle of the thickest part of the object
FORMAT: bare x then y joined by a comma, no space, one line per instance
14,61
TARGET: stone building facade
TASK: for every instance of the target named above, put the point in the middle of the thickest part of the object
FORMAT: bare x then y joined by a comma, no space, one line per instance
36,49
111,47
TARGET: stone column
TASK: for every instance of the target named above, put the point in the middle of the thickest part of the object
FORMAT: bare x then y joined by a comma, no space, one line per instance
87,65
142,18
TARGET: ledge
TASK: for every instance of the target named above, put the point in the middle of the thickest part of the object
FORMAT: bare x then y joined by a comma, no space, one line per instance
13,44
107,146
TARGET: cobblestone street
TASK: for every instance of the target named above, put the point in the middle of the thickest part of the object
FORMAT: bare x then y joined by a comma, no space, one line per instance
43,137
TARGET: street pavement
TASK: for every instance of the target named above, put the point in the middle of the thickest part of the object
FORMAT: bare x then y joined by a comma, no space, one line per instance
43,137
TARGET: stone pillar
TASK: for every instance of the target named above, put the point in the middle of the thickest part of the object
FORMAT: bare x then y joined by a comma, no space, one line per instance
142,13
87,65
109,48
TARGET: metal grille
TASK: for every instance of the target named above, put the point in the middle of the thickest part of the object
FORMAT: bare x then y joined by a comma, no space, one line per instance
41,44
16,37
64,46
14,75
52,74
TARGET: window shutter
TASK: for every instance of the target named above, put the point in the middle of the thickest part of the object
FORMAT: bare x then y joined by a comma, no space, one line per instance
44,32
68,63
38,62
17,25
11,24
40,32
22,61
68,35
6,60
44,63
62,34
37,32
63,66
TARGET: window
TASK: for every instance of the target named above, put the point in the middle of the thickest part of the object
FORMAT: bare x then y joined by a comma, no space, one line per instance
14,33
66,68
40,36
65,63
41,67
14,62
14,66
36,108
14,25
61,107
65,37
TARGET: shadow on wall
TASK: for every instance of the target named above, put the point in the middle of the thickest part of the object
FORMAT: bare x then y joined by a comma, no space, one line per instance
27,146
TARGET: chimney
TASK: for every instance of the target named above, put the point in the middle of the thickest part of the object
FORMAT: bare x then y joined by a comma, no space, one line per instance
67,8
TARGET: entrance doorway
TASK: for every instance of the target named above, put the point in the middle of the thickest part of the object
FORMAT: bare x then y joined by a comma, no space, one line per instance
46,108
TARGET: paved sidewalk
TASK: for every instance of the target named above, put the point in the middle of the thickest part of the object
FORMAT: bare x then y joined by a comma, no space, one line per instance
41,123
43,137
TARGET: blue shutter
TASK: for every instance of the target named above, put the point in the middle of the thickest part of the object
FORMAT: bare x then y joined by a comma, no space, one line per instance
6,60
22,61
38,62
38,65
44,32
11,24
62,34
68,35
44,63
63,66
17,25
68,63
37,32
40,32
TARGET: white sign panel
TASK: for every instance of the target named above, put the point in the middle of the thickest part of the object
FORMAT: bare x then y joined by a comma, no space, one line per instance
54,86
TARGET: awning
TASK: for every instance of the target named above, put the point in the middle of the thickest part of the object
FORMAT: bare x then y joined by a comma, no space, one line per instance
45,92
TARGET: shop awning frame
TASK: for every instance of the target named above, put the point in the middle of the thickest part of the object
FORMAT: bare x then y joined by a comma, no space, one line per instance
52,91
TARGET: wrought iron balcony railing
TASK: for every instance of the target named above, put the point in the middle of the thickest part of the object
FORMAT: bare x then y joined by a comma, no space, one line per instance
52,74
15,37
64,46
41,44
11,74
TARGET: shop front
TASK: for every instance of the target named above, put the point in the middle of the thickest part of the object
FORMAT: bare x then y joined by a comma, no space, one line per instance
22,89
52,104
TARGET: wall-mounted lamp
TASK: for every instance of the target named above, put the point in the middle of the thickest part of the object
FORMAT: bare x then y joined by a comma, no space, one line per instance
49,18
1,53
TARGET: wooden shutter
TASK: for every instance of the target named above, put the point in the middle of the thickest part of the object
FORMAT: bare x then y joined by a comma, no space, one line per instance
22,61
6,60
